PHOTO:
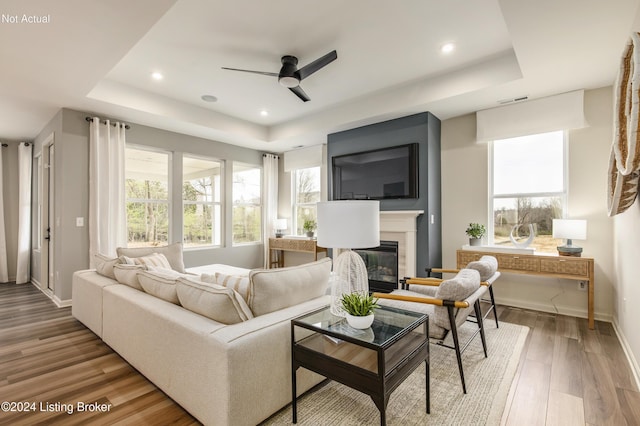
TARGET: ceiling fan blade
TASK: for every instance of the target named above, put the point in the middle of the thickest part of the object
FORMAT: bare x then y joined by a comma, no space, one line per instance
300,93
270,74
314,66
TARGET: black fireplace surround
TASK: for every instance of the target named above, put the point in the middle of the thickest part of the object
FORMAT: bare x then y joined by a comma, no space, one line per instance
382,266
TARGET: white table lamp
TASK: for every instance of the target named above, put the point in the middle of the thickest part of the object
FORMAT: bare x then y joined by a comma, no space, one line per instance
349,224
281,226
570,229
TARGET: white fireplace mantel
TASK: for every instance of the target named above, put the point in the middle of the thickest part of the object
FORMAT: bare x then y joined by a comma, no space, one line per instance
400,225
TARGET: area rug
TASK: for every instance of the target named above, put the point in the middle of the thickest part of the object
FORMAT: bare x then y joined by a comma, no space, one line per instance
488,383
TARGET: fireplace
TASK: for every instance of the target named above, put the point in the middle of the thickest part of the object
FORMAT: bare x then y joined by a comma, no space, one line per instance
382,266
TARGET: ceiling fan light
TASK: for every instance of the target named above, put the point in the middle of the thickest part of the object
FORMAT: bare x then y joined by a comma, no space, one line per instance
289,81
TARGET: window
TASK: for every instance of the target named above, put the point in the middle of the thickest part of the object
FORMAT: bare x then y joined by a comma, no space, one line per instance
147,193
306,193
247,204
201,202
528,187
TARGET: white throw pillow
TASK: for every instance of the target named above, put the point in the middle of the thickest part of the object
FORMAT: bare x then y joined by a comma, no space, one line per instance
156,260
173,253
128,275
219,303
105,264
273,289
161,283
239,284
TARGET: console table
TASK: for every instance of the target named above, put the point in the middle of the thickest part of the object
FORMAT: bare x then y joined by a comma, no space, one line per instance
547,265
294,245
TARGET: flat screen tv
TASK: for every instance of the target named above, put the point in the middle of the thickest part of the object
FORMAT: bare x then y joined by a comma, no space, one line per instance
387,173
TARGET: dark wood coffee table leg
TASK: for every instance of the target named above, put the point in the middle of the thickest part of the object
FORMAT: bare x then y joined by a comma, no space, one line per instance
427,385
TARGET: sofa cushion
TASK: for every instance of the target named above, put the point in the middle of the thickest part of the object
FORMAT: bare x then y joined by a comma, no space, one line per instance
156,260
213,301
161,283
486,266
173,253
104,265
238,283
274,289
128,275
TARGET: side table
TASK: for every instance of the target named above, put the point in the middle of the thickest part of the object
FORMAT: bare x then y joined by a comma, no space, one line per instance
374,361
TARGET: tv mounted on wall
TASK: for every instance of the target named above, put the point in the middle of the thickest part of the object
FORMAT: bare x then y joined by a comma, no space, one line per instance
387,173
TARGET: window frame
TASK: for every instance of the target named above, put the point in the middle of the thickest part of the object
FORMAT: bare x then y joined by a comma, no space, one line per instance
259,206
563,195
169,200
212,204
294,198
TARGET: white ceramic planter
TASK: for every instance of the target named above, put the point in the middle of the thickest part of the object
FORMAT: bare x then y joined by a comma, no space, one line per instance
360,322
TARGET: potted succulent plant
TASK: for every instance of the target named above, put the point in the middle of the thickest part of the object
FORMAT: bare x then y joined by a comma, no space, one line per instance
309,227
475,231
359,309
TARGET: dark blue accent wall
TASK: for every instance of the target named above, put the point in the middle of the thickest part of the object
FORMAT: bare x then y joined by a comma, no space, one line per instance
423,128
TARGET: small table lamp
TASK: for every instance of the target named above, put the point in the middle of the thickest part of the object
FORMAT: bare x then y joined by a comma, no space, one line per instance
281,226
571,229
349,224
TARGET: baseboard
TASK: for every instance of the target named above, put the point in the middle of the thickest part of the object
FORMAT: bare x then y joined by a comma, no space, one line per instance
553,309
55,299
635,367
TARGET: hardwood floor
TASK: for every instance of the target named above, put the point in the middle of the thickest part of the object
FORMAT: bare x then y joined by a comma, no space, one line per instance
567,375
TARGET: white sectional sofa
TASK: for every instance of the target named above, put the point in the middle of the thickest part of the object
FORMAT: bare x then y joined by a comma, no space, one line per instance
223,374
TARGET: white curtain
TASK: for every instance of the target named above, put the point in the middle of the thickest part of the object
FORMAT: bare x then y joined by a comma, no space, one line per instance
24,213
4,271
107,215
270,194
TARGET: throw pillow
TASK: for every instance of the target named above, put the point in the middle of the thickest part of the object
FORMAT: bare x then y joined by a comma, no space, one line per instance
274,289
128,275
161,283
219,303
156,260
104,265
458,288
173,253
239,284
486,266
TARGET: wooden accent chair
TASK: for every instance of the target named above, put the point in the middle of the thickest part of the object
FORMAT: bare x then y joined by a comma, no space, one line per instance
487,266
453,301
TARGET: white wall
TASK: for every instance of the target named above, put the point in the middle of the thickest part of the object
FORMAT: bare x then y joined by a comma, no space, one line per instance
465,200
626,292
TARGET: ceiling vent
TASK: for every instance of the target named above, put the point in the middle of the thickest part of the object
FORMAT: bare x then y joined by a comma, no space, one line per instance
512,100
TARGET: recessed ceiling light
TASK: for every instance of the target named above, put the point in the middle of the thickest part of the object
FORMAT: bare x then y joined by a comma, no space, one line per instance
447,48
209,98
264,113
156,76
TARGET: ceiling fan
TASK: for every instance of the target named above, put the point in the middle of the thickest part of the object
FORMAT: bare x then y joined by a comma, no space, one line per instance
290,76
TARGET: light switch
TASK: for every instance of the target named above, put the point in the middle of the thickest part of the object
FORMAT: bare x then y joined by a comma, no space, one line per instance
79,222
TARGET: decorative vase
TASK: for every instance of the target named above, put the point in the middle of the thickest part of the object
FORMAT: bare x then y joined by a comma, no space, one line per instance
360,322
475,241
519,240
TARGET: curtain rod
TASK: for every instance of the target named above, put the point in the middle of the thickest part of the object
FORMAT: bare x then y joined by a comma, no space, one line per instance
90,119
275,155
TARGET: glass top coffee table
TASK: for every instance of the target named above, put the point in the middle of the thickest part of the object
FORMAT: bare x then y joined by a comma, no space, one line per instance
374,361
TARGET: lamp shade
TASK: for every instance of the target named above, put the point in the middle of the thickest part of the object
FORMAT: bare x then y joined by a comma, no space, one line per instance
280,224
571,229
349,224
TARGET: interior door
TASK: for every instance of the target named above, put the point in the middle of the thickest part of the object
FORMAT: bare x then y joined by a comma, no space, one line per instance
48,217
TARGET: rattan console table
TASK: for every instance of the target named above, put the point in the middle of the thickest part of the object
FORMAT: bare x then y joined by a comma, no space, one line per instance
547,265
299,245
